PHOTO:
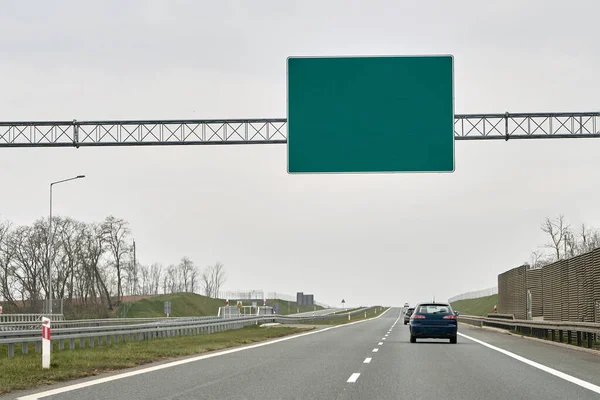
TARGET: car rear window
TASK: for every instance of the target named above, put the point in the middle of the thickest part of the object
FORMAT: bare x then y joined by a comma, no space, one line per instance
433,309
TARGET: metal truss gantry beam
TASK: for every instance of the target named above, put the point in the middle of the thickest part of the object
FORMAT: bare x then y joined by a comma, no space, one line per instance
271,131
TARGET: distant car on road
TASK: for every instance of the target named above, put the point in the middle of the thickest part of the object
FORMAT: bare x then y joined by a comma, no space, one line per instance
407,315
433,321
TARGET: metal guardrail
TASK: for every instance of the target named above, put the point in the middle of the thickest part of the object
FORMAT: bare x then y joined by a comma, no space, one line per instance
99,331
301,318
131,332
24,318
83,323
581,332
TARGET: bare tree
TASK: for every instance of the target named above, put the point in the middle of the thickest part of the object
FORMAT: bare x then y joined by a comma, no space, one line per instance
93,248
172,280
218,278
165,280
132,277
194,280
69,234
7,277
589,239
186,267
537,259
556,229
572,247
145,273
207,283
212,279
116,232
155,274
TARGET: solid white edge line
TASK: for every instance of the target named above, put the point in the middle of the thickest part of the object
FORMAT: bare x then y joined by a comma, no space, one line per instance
353,377
552,371
82,385
367,360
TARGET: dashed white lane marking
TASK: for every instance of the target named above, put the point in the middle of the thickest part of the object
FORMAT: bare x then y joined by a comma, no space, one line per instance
353,377
375,350
367,360
383,338
552,371
379,344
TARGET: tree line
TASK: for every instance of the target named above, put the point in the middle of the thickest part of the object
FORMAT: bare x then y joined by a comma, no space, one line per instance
564,241
91,262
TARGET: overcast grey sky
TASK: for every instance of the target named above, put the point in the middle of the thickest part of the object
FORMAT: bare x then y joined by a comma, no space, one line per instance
369,239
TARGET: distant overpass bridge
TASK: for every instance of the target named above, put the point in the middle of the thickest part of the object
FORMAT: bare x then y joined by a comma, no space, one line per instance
75,133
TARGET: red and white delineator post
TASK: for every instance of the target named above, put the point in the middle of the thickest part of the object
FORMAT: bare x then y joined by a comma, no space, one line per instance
46,348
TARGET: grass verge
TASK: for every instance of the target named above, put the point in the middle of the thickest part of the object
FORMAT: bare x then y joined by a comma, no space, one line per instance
182,305
25,371
340,321
290,307
481,306
347,311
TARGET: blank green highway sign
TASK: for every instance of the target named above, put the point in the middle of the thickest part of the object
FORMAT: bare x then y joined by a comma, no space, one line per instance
370,114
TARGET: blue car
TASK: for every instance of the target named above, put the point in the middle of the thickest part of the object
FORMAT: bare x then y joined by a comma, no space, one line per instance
433,321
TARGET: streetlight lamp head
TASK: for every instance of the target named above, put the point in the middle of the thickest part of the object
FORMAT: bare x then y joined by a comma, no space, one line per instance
80,176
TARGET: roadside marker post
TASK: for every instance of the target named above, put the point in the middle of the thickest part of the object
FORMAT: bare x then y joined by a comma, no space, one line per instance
46,347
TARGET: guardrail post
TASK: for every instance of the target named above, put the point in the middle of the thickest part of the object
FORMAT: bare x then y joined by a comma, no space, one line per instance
25,348
590,340
578,338
72,344
81,343
569,337
92,341
11,349
38,347
61,344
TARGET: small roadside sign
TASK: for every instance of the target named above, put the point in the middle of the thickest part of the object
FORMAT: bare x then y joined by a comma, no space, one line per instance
0,309
239,304
254,304
167,307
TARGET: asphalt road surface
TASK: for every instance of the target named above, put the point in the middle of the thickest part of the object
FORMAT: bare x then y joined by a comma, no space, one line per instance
365,360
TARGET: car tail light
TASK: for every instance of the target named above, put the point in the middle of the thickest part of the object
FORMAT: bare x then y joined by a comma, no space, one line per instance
417,316
450,317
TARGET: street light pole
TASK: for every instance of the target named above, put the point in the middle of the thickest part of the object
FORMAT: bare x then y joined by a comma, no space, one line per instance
51,240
